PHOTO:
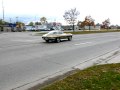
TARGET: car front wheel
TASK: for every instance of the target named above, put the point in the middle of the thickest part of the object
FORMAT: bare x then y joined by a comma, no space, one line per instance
57,40
69,38
47,41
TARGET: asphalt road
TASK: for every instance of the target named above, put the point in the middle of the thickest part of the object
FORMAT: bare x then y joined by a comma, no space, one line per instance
25,58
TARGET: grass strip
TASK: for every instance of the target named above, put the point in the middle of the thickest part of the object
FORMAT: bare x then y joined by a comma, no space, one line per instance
83,32
101,77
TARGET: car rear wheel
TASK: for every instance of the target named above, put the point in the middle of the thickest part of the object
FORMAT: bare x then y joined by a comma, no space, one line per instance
69,38
57,40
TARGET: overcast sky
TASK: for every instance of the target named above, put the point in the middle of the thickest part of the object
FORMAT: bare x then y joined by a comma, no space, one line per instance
54,10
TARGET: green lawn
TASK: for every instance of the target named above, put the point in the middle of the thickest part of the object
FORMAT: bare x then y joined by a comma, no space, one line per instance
90,32
102,77
85,32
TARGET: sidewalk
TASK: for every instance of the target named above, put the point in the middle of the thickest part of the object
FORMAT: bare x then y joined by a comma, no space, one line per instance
114,60
108,58
112,57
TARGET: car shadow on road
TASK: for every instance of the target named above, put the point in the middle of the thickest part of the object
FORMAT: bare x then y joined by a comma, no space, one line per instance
52,42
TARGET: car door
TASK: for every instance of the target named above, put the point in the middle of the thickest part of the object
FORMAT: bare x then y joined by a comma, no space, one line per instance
62,35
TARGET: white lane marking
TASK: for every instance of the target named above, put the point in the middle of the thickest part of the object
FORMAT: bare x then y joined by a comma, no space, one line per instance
94,37
83,43
18,46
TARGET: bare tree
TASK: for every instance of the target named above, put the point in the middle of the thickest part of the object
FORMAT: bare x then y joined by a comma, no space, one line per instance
71,16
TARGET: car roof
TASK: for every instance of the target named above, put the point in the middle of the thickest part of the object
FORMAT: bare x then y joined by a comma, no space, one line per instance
54,31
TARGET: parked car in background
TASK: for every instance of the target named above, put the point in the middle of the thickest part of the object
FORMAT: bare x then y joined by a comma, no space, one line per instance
56,36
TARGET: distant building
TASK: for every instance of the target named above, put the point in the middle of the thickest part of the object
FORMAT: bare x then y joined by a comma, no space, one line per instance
7,28
70,27
113,27
44,27
28,28
11,28
92,27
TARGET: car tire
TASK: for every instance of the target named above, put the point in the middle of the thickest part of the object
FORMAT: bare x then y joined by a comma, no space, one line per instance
47,41
58,40
69,38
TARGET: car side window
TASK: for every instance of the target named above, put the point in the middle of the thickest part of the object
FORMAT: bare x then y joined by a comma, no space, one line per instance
54,32
60,32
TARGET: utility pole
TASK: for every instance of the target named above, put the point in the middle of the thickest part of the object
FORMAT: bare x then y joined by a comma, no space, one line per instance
16,19
10,20
3,9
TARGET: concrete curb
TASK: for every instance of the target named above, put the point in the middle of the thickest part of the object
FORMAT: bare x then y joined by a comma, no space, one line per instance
46,80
